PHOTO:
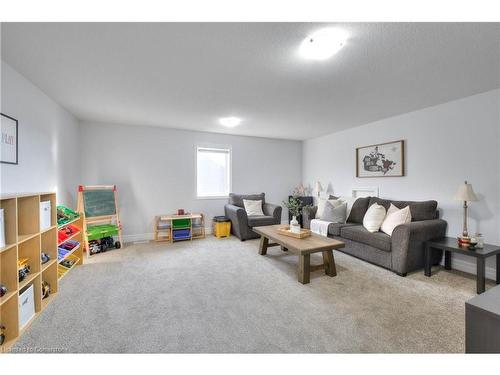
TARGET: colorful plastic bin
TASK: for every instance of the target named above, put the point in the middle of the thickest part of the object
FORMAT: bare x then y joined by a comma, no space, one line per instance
96,232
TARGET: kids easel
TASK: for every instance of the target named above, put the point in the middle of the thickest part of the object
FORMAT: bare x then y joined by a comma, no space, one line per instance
98,204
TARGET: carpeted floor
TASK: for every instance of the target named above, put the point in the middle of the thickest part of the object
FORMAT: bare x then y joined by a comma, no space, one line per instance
220,296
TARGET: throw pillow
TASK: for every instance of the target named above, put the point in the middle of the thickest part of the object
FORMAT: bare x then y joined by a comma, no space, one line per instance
253,207
374,218
322,203
334,213
395,217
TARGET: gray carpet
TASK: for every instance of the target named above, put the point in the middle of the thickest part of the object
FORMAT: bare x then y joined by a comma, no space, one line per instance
220,296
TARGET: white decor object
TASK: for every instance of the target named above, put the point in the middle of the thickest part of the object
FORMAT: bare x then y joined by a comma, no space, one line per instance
395,217
253,208
45,211
2,228
26,306
374,218
466,194
318,188
294,225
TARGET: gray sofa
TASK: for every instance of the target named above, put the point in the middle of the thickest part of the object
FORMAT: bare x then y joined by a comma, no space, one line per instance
241,223
401,253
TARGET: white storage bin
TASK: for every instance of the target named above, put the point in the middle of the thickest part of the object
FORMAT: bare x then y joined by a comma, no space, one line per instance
26,306
45,212
2,228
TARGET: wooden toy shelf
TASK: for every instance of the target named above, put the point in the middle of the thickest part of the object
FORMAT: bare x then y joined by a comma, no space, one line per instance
75,254
25,240
174,228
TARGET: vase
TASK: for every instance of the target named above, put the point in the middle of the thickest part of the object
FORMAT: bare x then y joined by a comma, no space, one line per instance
294,225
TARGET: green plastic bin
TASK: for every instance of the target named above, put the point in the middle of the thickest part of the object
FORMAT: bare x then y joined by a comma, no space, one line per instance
181,223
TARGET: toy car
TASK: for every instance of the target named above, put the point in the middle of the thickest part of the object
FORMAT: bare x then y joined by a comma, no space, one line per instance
23,268
45,257
3,290
103,244
2,335
45,289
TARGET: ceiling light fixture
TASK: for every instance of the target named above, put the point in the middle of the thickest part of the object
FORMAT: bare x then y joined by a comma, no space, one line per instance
230,122
323,44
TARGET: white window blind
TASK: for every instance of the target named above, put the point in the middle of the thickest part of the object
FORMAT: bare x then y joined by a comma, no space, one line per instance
213,172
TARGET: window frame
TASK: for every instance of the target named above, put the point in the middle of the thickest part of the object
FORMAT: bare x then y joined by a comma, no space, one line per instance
224,148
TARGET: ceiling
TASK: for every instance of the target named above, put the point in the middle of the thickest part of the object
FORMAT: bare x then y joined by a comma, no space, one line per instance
187,75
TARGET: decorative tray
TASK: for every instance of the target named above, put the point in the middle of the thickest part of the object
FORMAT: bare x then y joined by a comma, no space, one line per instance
285,230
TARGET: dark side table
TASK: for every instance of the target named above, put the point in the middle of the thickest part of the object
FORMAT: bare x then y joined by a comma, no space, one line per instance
450,245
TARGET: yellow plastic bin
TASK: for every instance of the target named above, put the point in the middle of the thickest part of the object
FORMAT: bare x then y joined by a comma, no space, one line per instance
221,226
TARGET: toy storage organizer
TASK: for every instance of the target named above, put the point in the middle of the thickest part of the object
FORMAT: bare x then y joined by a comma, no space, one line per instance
23,218
179,227
69,240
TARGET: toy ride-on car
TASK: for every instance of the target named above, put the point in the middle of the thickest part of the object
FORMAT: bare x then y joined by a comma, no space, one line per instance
100,238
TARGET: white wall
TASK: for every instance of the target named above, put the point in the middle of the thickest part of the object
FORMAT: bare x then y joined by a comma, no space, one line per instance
445,145
154,169
48,141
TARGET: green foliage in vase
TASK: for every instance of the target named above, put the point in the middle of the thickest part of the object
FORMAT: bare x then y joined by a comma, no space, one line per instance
294,206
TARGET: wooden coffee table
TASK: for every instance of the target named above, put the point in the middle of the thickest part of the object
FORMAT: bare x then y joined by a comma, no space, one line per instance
303,247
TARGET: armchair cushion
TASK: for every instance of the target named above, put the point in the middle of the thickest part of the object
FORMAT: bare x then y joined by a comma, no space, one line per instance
261,220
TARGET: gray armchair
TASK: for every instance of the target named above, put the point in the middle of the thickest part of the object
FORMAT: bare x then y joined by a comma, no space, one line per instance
241,223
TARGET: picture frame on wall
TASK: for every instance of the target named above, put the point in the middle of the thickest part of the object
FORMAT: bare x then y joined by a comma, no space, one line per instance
381,160
8,139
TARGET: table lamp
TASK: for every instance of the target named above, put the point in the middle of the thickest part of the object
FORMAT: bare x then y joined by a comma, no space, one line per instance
318,188
466,194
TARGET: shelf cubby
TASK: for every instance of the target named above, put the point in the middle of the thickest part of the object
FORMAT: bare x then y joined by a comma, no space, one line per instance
31,249
9,317
9,206
8,272
49,243
53,207
49,275
28,216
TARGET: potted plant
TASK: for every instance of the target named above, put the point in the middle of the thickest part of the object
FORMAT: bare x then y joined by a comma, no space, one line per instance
295,207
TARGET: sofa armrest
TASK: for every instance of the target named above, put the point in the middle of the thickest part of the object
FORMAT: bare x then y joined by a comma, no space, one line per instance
408,243
239,219
307,215
272,210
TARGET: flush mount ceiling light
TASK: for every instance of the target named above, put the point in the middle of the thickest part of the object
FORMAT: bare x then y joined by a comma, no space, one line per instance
230,122
323,44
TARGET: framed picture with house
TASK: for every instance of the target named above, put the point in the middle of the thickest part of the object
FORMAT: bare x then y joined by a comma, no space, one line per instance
381,160
8,140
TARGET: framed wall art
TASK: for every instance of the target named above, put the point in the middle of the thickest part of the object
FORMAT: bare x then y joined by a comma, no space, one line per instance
381,160
8,140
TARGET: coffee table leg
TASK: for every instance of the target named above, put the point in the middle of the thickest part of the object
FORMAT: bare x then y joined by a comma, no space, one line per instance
498,268
263,245
427,266
447,260
480,276
329,262
304,270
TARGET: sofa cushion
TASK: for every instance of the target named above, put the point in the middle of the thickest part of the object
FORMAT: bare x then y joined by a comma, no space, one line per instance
359,233
261,220
424,210
334,228
358,210
237,199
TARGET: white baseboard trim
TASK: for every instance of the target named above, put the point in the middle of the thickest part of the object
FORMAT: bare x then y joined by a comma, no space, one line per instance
470,267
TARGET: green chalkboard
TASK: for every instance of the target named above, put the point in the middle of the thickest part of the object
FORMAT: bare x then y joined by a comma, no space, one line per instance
99,202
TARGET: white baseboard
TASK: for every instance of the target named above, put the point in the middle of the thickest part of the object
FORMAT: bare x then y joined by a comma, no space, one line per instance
470,267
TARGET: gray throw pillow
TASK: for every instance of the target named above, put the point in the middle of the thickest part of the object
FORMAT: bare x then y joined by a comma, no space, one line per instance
334,214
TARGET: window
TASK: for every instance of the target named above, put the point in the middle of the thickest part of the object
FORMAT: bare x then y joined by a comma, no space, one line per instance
213,172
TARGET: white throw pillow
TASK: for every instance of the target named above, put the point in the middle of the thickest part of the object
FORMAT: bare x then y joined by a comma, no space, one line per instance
395,217
322,203
253,207
374,218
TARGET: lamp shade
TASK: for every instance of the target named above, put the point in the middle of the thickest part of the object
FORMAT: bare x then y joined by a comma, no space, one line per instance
318,187
465,193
